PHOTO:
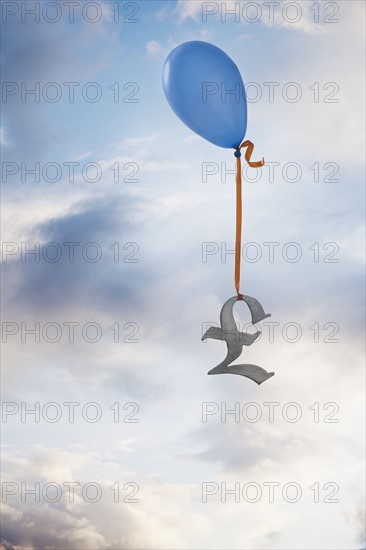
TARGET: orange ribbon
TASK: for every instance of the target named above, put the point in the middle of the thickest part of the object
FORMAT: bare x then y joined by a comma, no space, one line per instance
248,153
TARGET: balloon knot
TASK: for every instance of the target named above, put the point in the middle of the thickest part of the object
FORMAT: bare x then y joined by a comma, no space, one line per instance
237,153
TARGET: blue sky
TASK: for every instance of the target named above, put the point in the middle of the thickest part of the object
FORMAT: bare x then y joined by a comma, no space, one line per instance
164,218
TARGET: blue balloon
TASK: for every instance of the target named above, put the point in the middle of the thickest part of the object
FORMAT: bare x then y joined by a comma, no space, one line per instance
204,87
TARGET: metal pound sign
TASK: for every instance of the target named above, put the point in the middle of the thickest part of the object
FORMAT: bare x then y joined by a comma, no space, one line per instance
235,340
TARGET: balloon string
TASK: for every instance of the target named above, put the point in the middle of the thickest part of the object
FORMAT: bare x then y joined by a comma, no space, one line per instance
248,153
238,224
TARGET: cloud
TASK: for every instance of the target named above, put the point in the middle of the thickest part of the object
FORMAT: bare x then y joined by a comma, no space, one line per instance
169,213
140,141
153,48
90,222
5,545
37,58
106,523
356,517
188,10
292,18
3,140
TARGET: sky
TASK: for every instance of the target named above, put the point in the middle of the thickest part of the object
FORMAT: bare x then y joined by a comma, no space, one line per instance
118,224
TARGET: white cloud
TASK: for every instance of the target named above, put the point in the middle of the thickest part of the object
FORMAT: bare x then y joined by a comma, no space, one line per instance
10,512
3,140
129,142
84,155
153,48
189,9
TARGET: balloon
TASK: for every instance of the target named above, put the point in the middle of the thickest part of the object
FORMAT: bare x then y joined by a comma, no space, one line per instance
205,89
